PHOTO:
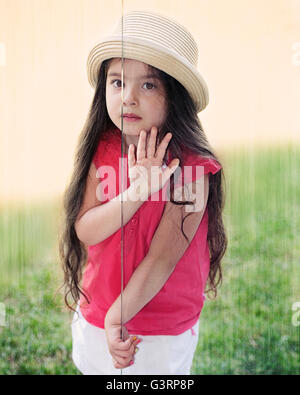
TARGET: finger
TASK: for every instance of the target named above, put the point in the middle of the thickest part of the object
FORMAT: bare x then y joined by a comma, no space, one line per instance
131,156
119,366
141,147
124,354
134,347
163,146
170,169
128,353
123,362
152,142
116,364
131,350
124,345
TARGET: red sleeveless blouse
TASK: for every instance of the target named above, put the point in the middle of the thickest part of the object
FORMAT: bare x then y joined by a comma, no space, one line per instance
177,306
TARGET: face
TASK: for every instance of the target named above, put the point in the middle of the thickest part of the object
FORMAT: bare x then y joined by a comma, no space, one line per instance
143,95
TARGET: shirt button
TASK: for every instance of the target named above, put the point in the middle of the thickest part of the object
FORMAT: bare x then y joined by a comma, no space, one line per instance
131,231
133,220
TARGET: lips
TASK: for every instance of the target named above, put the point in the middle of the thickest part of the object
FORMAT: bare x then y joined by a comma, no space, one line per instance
131,116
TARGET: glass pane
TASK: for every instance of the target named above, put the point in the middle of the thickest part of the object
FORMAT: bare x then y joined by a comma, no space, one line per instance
220,78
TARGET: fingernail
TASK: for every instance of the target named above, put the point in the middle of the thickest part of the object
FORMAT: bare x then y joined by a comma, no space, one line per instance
131,362
136,349
139,341
134,338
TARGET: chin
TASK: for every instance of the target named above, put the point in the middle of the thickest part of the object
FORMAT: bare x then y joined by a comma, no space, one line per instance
133,130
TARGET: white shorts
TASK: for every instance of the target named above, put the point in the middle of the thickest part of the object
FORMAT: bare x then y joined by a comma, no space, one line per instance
157,354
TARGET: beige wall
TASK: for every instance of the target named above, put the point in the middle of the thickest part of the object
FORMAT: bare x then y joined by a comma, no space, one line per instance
249,55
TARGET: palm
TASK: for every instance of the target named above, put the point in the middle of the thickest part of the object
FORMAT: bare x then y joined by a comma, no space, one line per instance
147,166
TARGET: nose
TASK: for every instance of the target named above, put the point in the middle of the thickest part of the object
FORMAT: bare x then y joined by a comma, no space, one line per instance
129,96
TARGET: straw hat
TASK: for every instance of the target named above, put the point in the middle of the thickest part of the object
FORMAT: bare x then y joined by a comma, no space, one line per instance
157,40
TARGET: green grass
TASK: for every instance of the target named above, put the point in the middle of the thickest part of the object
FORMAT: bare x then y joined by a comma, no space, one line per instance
246,330
37,335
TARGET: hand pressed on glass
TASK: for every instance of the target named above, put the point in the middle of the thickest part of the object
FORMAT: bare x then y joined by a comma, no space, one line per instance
145,171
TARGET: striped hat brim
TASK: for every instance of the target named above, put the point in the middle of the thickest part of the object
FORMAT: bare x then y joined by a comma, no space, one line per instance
151,53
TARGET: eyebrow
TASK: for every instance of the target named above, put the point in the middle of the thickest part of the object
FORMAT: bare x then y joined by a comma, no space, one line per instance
142,77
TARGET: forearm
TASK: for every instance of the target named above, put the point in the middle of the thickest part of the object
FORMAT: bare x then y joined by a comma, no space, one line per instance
145,282
100,222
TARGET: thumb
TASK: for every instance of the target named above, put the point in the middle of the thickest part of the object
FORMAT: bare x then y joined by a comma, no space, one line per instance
174,162
170,169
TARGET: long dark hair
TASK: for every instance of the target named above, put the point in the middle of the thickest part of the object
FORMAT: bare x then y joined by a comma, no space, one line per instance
187,131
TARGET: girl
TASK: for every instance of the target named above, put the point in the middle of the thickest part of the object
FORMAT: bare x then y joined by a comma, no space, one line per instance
146,264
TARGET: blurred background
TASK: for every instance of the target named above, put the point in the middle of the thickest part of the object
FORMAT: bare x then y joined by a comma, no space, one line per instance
249,55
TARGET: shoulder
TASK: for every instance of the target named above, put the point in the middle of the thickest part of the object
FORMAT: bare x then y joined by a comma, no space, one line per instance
109,145
194,166
209,163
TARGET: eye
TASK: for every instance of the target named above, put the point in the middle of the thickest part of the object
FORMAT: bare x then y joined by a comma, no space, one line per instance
150,86
113,81
149,83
